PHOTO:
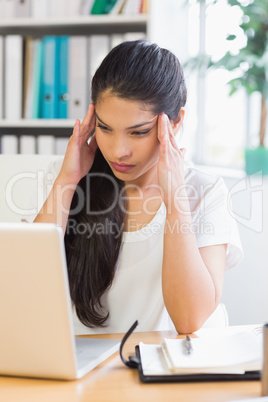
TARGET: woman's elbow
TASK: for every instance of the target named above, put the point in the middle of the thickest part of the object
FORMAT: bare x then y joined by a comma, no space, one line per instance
188,327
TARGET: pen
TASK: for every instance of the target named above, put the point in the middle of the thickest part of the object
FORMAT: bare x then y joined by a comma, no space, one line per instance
188,345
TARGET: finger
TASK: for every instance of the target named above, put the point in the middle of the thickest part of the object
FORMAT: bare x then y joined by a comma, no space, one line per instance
88,115
163,135
88,123
172,136
76,130
93,144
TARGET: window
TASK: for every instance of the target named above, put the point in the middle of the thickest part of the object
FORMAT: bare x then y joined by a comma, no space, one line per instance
217,127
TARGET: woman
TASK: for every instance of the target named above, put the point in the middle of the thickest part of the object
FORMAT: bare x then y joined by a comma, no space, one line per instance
145,238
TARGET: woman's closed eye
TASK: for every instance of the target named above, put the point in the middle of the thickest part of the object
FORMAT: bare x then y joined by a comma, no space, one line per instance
141,132
104,128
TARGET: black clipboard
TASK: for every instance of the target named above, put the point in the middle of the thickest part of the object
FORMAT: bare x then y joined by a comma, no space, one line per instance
134,362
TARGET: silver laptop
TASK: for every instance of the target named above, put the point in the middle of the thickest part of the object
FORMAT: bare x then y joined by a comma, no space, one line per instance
36,330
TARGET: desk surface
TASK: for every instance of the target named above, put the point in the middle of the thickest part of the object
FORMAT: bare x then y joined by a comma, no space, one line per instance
113,382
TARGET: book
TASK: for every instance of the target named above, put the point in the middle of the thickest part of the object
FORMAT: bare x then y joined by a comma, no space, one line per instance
73,8
63,77
58,8
27,144
1,76
86,6
109,6
22,8
118,7
13,70
214,352
9,144
78,77
99,47
46,145
28,78
145,7
2,11
116,39
9,8
131,7
50,78
98,7
61,145
130,36
37,78
39,9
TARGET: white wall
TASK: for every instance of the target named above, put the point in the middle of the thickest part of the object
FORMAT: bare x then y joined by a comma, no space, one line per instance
246,287
245,291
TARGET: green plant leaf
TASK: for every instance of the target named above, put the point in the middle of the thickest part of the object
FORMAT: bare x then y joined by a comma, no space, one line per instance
231,37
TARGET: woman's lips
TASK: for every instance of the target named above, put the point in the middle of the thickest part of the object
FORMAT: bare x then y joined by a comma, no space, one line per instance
121,167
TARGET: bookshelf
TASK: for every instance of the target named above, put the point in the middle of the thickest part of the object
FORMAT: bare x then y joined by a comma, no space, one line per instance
55,127
82,25
161,25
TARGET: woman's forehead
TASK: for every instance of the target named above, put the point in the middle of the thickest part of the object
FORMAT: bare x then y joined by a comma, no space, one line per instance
112,107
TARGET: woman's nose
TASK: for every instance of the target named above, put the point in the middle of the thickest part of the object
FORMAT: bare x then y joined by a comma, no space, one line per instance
121,148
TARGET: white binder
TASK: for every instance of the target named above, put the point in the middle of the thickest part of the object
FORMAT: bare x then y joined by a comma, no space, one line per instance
22,8
61,145
58,8
78,76
9,144
2,11
13,76
1,76
99,47
9,8
39,9
116,39
27,144
86,6
73,8
46,145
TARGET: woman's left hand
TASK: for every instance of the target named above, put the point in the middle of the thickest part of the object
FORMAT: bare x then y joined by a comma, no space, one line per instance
171,162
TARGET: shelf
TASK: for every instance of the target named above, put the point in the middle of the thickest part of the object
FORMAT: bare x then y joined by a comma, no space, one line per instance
82,25
56,127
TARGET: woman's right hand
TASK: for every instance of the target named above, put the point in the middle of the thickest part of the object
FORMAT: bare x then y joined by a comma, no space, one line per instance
80,154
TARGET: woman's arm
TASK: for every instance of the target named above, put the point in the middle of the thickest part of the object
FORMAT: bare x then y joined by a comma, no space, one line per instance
77,162
192,278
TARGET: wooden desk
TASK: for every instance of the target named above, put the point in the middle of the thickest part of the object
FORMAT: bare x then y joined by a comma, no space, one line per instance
113,382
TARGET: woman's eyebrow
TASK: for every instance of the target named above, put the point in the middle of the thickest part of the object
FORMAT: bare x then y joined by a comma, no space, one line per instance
128,128
139,125
101,120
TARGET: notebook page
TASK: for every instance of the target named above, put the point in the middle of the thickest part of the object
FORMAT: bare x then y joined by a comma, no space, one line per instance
154,361
232,354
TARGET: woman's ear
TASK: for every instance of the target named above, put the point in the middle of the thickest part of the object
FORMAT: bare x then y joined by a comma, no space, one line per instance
176,125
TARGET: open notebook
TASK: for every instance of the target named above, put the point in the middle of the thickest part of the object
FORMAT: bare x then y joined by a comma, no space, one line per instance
217,354
226,353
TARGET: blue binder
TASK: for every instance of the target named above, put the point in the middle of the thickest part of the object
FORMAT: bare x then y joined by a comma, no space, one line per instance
63,77
50,78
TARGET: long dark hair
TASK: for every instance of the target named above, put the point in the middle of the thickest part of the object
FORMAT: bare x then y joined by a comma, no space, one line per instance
137,71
